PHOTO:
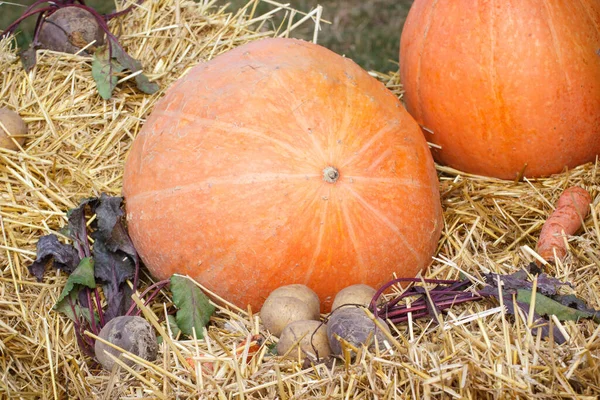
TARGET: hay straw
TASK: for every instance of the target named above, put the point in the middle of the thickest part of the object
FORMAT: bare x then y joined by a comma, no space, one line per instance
76,149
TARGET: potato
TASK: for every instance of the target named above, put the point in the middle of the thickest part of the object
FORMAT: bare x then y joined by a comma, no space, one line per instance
131,333
12,125
287,304
306,334
301,292
277,312
355,294
354,326
69,29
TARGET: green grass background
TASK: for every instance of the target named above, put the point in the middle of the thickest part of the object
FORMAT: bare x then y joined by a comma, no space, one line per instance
368,31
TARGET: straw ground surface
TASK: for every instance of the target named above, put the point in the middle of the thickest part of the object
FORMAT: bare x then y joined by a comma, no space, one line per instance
76,148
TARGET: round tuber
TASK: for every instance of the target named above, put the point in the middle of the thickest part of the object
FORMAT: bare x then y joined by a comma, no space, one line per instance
12,128
355,294
277,312
310,335
301,292
287,304
69,29
353,326
131,333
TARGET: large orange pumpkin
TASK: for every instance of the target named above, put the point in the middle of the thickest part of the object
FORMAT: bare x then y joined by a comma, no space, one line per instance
505,86
281,162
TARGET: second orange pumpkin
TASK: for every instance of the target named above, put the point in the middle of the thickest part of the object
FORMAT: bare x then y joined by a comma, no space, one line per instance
505,87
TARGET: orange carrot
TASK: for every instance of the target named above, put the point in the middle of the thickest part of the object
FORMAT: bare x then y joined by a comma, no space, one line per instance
254,346
571,209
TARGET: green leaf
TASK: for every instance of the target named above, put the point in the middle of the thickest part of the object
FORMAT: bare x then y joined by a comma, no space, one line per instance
82,275
71,308
272,349
133,65
546,306
104,70
172,321
193,308
144,84
106,64
68,301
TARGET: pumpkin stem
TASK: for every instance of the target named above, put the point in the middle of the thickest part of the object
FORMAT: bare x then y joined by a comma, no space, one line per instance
330,174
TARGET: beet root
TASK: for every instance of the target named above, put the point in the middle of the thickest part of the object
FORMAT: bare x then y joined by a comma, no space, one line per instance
69,29
130,333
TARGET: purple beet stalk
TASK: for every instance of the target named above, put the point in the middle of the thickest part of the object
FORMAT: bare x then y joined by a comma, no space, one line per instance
446,294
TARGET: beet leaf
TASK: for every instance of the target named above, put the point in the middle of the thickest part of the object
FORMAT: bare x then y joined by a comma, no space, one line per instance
193,307
548,306
82,276
49,249
108,263
104,70
76,312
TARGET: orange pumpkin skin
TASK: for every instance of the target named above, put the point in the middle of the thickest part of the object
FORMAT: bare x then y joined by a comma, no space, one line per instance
225,181
505,86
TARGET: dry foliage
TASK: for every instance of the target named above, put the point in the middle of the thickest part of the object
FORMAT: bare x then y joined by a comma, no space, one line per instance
76,149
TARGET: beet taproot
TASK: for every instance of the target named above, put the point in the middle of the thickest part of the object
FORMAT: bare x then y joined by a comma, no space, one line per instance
69,29
131,333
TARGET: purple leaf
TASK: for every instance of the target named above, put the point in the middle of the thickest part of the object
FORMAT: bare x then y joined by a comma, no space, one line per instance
549,285
111,266
63,256
118,298
108,211
514,281
77,227
120,240
111,228
546,284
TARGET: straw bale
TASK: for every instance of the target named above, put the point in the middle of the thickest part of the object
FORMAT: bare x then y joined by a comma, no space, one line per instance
76,149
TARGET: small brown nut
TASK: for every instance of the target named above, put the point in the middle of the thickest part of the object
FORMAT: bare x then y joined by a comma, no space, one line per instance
69,29
309,335
12,127
354,326
355,294
131,333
